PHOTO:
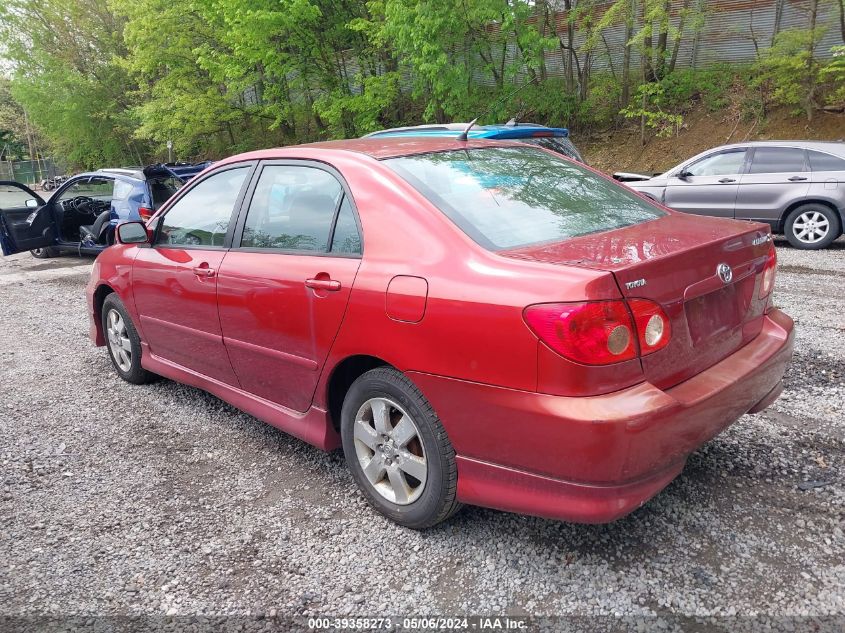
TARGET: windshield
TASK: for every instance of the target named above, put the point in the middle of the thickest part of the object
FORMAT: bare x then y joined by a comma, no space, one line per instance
506,198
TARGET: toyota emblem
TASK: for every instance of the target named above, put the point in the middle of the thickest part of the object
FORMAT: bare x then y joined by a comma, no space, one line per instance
725,273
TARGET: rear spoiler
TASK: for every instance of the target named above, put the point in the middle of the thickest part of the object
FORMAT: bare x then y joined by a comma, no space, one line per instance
180,171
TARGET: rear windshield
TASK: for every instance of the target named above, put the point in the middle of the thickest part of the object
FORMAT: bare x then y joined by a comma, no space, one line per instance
506,198
559,144
162,188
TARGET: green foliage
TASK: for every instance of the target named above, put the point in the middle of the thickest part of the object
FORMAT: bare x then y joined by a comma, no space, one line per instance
647,105
112,81
67,78
787,71
833,73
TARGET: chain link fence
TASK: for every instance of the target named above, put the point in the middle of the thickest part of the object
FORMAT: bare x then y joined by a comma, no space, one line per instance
29,172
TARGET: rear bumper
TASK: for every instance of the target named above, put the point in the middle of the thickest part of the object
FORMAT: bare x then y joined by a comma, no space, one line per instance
598,458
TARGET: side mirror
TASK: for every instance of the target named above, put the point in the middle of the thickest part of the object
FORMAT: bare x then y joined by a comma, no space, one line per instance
684,174
32,203
132,233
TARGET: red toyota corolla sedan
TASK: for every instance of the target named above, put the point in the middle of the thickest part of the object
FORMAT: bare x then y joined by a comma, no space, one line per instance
473,322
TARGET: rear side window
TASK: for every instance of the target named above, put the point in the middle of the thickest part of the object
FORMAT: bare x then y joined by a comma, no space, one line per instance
346,238
201,217
293,208
777,160
819,161
122,189
506,197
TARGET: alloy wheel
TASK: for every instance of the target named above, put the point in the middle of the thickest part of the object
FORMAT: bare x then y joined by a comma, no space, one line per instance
810,227
390,451
118,338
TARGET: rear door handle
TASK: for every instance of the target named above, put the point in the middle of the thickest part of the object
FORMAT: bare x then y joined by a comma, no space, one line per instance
332,285
204,271
726,180
797,178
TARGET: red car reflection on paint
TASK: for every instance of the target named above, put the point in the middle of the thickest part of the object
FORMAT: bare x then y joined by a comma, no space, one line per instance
473,322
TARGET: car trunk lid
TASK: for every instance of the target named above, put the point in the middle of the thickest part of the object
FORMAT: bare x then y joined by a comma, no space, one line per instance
674,261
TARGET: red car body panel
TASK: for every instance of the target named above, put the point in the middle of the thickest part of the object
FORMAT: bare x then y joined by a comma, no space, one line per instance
534,432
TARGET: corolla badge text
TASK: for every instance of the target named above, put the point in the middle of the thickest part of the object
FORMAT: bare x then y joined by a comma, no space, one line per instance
637,283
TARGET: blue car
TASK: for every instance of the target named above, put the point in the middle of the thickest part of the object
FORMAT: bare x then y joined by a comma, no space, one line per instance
553,138
80,217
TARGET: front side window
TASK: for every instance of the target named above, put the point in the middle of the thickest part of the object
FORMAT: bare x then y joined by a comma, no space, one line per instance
724,164
777,160
201,217
505,197
292,209
12,197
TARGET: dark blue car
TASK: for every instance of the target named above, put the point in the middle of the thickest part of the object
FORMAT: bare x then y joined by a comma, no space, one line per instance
81,215
553,138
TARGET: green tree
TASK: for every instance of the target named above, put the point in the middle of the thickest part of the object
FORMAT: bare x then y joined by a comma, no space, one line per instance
66,75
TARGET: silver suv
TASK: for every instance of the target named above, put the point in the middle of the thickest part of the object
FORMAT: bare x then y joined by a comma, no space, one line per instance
797,187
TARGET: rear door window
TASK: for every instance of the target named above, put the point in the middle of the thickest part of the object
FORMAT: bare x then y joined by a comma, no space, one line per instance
293,209
505,197
777,160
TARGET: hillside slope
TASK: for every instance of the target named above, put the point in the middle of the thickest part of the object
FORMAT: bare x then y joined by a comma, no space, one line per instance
620,150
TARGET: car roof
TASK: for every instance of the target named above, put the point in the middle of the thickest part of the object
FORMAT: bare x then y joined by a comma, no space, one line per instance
375,147
832,147
131,172
497,131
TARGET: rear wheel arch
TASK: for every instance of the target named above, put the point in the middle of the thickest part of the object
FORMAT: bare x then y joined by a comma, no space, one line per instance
341,378
781,227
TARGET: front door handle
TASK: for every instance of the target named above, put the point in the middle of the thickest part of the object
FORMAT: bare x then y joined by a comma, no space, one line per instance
797,178
204,271
332,285
723,180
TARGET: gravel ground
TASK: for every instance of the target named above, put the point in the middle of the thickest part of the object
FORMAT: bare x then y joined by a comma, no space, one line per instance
163,500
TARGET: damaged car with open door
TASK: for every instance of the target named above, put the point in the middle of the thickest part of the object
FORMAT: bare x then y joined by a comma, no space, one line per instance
82,215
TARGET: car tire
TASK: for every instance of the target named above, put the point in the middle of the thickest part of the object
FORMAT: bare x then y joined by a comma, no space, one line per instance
44,253
812,226
398,451
123,342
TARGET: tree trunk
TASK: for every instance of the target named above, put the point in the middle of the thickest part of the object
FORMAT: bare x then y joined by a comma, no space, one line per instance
811,62
778,17
842,19
662,41
676,47
626,59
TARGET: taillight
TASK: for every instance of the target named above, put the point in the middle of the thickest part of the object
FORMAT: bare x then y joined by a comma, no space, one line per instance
768,282
592,333
146,213
652,325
